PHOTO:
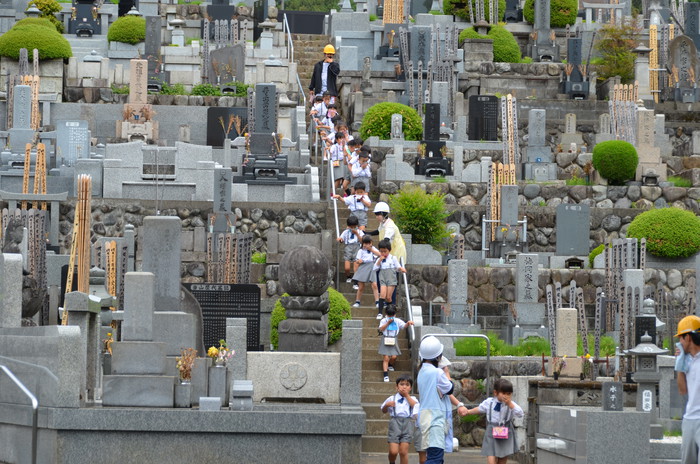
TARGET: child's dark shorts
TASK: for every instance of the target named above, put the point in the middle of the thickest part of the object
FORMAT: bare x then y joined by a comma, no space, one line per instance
401,430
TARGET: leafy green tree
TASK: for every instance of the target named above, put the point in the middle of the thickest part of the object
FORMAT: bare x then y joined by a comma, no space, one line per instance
562,12
505,47
420,214
48,9
615,44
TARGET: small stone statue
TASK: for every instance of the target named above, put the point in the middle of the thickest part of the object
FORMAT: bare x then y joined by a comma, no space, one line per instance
396,127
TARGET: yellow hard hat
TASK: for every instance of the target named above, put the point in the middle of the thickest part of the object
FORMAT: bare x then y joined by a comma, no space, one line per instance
329,49
688,324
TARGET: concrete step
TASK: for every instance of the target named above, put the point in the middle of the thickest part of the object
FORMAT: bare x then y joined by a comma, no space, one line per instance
372,344
374,384
373,412
665,451
378,444
377,427
374,362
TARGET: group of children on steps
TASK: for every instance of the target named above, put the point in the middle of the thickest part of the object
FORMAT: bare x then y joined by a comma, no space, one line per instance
364,264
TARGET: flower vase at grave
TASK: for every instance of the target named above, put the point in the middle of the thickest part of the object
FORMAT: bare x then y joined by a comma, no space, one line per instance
106,364
217,383
183,394
556,375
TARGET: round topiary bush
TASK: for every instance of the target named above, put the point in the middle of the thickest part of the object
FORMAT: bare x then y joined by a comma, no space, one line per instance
505,47
563,12
670,232
421,214
128,29
48,41
615,160
463,12
595,252
43,22
339,310
377,121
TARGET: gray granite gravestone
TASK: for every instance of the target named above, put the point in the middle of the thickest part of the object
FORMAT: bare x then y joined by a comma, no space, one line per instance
157,75
573,229
527,278
72,142
222,200
509,205
161,256
692,22
613,398
457,290
420,44
21,133
683,57
261,140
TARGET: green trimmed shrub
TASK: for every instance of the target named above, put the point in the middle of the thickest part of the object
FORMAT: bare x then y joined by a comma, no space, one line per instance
339,310
241,89
505,47
174,89
420,214
50,43
562,12
44,22
531,346
205,90
595,252
464,11
48,9
670,232
377,121
128,29
615,160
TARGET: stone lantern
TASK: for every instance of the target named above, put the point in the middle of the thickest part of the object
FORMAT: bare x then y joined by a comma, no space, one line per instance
647,377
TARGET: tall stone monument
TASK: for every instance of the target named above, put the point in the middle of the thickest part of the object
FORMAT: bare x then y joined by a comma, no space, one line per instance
304,274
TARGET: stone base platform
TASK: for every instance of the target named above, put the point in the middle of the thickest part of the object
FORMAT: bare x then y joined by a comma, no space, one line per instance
270,434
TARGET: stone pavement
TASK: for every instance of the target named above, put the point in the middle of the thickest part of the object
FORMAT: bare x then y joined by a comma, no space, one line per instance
465,456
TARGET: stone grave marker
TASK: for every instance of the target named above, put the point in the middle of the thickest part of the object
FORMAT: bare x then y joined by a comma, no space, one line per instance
683,62
420,44
537,126
161,256
483,117
227,64
431,122
22,107
138,82
157,76
539,165
566,334
222,190
457,290
527,278
542,19
396,127
573,224
612,396
72,142
265,108
692,22
509,205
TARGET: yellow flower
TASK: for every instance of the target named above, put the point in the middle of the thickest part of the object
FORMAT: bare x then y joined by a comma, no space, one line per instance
213,352
588,355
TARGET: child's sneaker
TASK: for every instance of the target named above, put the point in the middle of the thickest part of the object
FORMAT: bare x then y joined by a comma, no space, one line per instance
356,304
391,368
386,378
355,287
348,280
380,316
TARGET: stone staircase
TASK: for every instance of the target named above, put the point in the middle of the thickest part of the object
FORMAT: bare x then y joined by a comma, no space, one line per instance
374,389
83,46
308,50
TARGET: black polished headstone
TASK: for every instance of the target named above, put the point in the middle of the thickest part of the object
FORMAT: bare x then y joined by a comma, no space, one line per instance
513,12
483,117
220,12
221,301
86,19
215,133
645,323
431,122
613,396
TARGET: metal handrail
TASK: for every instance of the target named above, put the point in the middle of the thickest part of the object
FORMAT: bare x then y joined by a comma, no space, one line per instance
409,308
488,349
35,407
290,56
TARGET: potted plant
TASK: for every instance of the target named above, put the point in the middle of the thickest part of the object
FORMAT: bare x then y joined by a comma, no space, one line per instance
183,389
